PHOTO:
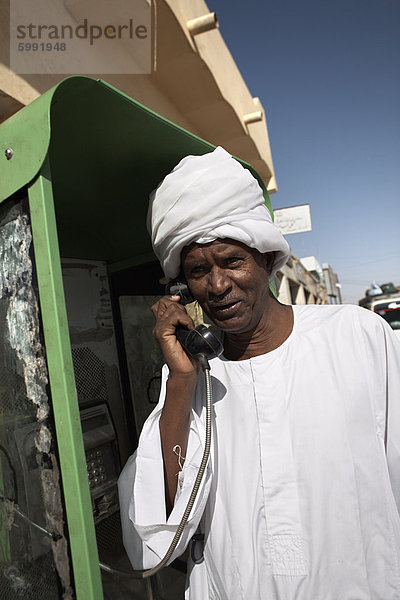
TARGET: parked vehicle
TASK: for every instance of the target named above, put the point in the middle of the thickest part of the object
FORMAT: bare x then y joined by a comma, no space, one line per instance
385,301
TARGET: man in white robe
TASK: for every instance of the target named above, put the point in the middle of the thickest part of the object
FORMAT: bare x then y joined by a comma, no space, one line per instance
301,496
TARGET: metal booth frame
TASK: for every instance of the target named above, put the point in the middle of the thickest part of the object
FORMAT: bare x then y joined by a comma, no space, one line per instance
88,156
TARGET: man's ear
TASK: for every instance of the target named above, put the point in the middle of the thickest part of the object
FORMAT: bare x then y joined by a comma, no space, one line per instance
269,260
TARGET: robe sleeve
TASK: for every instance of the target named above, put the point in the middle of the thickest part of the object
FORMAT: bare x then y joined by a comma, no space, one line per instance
392,437
147,533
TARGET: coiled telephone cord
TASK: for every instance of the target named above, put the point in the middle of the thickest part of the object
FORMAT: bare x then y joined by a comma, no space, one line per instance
207,445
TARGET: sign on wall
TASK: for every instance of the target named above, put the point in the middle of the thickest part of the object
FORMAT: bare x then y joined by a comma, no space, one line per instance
293,219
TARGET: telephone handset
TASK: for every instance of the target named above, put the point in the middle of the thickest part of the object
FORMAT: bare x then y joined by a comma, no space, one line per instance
201,342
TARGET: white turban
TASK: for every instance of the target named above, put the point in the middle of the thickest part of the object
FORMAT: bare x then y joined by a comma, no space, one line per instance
208,197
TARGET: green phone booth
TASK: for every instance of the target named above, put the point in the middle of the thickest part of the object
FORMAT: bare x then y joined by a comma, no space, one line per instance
79,371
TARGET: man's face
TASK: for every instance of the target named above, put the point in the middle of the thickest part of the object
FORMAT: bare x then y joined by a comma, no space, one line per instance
230,281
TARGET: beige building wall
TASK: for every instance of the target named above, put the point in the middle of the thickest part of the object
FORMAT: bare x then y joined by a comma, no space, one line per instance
296,285
195,84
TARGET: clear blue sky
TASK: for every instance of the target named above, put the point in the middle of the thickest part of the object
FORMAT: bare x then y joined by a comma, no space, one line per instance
328,76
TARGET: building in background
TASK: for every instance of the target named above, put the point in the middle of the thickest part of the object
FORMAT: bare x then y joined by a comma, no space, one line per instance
332,284
312,265
304,281
297,284
195,82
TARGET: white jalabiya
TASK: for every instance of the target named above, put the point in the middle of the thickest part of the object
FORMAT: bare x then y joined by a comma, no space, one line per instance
299,500
209,197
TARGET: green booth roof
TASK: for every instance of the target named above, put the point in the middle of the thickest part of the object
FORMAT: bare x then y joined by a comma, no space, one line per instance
106,152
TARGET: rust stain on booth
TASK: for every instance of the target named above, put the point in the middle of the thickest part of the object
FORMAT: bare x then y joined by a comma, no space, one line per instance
24,407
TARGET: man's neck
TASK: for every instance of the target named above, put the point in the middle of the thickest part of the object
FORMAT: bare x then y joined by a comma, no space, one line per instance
273,329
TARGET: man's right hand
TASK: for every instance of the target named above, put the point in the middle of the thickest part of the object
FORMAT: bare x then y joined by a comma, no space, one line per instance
181,383
169,313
